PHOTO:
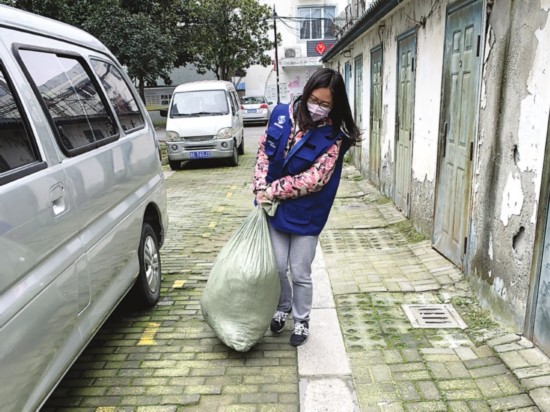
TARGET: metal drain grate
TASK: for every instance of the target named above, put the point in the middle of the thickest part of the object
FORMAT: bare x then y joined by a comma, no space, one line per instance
434,316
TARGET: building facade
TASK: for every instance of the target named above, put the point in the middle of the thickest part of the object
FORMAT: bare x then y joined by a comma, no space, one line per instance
308,29
453,98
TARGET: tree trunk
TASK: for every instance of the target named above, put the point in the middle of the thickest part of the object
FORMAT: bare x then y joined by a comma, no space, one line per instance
141,86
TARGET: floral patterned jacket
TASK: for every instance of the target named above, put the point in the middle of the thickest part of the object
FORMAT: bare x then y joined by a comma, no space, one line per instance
288,187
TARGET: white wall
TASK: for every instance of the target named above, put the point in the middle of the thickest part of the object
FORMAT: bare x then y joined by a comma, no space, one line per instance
262,80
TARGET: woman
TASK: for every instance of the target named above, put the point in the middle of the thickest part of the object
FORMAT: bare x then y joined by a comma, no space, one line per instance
299,164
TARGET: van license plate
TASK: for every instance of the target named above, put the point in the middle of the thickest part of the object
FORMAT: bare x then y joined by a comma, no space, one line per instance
200,155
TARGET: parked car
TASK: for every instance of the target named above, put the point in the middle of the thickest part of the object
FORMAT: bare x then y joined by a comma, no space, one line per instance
82,200
204,122
255,109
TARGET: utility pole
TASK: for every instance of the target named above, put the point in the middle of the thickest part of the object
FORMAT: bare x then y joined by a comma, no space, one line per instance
276,53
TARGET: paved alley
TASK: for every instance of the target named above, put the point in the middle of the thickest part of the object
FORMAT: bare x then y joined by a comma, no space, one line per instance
364,353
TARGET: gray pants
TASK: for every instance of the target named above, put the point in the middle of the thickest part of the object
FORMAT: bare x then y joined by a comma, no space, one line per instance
294,253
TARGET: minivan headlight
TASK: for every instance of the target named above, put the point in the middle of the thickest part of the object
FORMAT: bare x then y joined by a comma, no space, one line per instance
172,136
225,133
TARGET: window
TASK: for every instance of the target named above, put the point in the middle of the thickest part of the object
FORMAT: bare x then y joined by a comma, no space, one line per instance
165,99
78,112
253,100
234,102
17,147
317,23
119,93
198,103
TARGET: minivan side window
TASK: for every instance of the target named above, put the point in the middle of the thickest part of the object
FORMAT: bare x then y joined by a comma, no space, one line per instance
17,146
79,114
234,103
122,99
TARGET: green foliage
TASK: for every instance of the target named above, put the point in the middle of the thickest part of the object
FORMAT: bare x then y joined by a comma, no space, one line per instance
141,34
144,47
228,36
150,37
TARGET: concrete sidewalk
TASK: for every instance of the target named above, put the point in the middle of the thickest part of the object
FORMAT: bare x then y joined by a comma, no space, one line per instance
364,352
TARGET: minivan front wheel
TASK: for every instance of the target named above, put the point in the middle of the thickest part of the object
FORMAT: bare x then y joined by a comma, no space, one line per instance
234,160
146,290
175,164
241,146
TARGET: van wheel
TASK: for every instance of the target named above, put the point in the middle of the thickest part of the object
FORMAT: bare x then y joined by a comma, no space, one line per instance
146,290
234,160
175,164
241,147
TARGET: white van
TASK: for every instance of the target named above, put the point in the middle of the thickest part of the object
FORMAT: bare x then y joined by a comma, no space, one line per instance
82,200
204,122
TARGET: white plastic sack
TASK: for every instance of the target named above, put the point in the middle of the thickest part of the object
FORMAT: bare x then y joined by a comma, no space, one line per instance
243,288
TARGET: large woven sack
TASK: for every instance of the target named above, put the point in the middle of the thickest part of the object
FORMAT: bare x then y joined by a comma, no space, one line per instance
242,291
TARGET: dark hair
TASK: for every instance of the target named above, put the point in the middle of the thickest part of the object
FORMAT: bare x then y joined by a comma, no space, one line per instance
341,116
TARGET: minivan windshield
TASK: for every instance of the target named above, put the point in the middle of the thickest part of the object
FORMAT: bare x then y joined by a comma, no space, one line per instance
199,103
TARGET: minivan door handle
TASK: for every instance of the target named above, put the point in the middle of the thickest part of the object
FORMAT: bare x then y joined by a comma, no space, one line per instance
57,198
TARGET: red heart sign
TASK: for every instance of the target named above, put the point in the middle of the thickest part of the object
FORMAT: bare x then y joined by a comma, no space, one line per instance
320,47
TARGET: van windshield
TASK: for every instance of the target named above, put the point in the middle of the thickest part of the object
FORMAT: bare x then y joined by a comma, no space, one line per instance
199,103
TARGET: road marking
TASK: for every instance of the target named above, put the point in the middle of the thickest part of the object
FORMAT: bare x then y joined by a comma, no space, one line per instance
105,409
148,334
220,209
229,194
212,225
178,284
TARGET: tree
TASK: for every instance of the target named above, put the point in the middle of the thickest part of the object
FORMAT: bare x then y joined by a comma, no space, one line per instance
55,9
142,34
228,36
145,48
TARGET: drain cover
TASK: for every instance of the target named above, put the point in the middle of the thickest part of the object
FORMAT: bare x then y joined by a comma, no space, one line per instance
434,316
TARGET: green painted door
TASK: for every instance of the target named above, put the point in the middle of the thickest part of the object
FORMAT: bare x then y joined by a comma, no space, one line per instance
375,114
406,53
457,125
358,104
538,308
541,336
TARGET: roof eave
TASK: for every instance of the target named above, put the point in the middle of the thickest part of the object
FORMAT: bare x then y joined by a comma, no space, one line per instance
373,15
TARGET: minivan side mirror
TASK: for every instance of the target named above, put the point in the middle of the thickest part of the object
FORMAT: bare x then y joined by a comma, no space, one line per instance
163,112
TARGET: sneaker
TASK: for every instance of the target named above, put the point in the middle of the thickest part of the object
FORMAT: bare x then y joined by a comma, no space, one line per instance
300,334
278,321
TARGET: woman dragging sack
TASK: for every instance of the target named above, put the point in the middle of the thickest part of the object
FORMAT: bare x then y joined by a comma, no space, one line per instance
299,164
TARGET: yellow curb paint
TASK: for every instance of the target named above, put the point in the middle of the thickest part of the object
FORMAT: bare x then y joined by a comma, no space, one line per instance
105,409
220,209
148,335
212,225
178,284
206,234
229,194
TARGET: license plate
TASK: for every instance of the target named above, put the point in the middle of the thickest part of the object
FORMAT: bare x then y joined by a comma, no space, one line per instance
251,111
200,155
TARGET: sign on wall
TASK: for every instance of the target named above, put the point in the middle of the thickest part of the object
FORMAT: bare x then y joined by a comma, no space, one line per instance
317,48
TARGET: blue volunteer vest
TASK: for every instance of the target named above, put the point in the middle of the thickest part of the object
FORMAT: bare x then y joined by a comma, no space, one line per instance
305,215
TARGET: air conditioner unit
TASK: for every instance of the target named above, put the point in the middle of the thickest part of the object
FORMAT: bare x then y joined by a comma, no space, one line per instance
291,52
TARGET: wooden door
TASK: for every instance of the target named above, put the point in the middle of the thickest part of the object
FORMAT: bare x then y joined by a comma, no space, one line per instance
406,53
358,104
538,307
375,114
459,104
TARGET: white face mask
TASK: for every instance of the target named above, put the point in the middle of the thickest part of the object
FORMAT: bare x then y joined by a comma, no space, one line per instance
317,112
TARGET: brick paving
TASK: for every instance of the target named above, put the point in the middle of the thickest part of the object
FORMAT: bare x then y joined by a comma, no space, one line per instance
374,269
168,359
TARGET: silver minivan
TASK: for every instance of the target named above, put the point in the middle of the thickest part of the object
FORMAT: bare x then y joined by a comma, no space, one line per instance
82,200
204,122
